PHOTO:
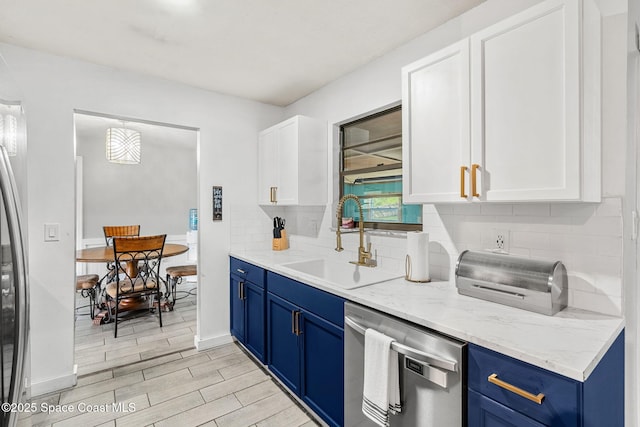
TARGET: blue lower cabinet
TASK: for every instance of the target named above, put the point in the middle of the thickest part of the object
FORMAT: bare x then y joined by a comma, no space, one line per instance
254,329
284,343
305,344
247,303
322,385
507,392
237,308
485,412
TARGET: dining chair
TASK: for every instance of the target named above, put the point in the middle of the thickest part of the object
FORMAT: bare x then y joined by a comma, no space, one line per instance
174,277
111,231
130,290
89,285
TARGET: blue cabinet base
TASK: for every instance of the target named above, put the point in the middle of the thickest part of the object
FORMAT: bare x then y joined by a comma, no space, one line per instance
599,401
247,301
305,341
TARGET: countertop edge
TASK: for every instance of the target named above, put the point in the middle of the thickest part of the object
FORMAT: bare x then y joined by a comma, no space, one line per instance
578,373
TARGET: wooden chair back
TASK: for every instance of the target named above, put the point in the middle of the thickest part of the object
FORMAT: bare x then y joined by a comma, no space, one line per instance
111,231
137,263
138,254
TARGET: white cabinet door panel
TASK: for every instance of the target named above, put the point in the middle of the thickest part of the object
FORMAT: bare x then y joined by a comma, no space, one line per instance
287,192
526,105
436,125
267,165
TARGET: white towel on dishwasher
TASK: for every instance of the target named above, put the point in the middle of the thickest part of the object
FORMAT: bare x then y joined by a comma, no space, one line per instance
381,394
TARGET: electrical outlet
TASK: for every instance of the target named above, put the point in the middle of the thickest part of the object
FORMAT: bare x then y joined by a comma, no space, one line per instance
500,240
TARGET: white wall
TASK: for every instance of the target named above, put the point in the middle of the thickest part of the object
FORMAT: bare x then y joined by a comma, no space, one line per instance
156,194
53,87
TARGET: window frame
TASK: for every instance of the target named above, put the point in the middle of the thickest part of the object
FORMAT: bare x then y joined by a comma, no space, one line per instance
375,225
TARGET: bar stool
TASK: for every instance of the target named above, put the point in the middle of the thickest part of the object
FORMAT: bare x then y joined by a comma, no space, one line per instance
87,285
175,275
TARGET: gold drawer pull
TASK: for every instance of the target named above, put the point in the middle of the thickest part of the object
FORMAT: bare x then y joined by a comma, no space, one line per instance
463,170
293,322
493,379
474,187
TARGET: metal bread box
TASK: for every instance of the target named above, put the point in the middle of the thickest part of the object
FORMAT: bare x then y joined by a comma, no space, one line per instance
530,284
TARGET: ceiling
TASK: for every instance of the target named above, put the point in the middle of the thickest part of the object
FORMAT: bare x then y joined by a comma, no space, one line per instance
274,51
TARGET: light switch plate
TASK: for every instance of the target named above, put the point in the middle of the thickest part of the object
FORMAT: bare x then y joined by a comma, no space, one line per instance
51,232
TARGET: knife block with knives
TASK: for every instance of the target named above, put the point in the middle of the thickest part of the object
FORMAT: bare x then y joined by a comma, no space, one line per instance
279,242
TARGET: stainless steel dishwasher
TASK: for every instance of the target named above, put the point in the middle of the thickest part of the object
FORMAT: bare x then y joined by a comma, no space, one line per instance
432,374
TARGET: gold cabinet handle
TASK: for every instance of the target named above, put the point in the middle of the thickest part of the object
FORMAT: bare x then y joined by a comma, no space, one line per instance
474,188
293,322
273,195
241,290
537,398
298,331
463,170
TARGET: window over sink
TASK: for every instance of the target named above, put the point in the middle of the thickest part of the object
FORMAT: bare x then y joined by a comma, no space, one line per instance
371,168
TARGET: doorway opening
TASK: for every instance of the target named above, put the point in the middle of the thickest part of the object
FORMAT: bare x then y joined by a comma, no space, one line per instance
159,194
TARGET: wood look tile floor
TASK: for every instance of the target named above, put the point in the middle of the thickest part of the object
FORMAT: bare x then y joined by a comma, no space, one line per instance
152,376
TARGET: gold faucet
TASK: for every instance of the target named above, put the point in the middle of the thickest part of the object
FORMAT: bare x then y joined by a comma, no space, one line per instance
364,255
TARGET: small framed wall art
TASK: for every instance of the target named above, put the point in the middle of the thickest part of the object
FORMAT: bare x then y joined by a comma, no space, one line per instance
217,203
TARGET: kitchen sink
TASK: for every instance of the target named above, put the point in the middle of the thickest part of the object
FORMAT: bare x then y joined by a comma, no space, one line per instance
341,274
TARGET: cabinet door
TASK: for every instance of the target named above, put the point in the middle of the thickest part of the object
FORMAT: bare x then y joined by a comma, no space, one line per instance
484,412
254,326
322,385
435,127
282,342
237,309
287,170
525,104
267,165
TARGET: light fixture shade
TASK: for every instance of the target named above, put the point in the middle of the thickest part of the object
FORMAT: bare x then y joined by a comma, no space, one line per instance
123,146
10,134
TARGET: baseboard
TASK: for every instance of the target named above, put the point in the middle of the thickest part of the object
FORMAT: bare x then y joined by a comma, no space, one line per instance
54,384
207,343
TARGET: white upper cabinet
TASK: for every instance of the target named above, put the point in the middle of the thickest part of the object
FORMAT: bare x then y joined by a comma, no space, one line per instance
534,97
292,163
435,127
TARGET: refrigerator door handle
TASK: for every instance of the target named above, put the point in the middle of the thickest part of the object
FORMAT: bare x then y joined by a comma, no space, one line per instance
12,208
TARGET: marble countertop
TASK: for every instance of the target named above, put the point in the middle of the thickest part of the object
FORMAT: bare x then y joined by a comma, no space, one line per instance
571,343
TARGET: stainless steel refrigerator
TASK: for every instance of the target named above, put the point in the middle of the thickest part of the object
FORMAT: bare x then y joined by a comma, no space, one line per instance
14,291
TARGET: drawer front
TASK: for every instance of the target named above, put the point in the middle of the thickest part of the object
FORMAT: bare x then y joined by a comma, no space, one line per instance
321,303
245,271
562,396
484,412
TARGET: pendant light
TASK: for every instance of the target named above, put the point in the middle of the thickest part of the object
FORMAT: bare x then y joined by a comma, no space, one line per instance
123,146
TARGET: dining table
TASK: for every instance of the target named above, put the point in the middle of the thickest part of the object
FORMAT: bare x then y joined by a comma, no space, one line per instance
105,254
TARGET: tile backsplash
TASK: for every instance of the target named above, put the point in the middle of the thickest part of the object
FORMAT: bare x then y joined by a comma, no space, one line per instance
587,238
